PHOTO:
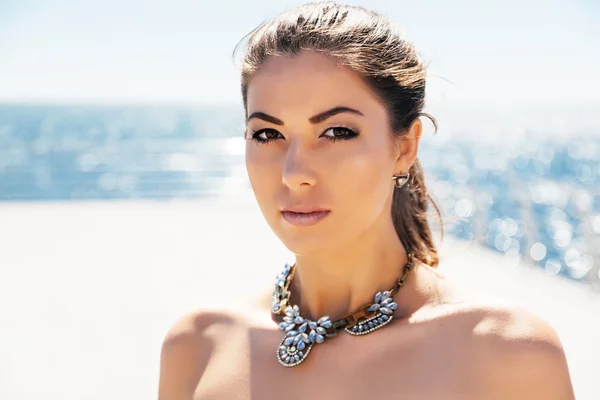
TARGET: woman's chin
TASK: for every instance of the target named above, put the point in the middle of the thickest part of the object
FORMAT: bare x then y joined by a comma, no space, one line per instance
306,244
303,244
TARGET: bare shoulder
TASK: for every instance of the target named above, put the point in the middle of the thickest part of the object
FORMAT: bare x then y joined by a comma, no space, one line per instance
519,353
187,348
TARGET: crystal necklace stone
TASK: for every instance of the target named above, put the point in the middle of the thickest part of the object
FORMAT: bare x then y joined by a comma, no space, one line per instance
302,334
385,307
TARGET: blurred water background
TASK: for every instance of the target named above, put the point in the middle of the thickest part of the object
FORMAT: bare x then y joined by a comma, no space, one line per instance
530,196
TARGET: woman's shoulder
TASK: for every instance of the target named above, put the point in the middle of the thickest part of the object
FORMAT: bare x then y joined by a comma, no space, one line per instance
517,350
497,319
202,327
488,318
189,345
504,328
213,321
192,326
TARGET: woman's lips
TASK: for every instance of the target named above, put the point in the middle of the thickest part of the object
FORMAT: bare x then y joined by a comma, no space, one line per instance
304,219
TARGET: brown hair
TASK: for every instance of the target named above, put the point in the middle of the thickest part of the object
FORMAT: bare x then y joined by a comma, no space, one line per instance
370,45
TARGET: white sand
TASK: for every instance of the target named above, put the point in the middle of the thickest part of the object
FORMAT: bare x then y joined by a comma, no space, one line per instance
89,290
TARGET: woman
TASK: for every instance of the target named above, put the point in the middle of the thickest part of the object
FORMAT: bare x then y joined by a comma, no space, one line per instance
333,98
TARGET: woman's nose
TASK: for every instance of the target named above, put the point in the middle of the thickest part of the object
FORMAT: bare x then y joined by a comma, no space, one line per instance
298,169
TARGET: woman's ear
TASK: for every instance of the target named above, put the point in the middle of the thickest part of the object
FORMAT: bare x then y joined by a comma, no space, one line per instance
408,147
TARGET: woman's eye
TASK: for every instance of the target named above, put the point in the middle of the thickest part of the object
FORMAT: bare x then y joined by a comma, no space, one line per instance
339,133
264,135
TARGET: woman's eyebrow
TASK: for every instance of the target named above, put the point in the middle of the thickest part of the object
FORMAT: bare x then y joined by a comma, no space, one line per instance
313,120
330,113
265,117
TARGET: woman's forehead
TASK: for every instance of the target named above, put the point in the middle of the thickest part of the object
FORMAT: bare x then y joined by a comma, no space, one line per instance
308,81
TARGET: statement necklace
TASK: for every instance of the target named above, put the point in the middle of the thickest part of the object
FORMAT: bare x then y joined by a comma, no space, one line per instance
302,334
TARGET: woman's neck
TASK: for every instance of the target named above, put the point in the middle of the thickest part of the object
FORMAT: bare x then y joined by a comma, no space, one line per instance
341,281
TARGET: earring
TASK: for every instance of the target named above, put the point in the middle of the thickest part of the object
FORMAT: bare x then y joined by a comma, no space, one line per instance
401,179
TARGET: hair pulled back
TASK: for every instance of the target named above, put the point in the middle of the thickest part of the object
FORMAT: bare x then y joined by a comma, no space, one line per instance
373,47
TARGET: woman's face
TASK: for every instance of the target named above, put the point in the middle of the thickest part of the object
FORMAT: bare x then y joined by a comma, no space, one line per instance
297,155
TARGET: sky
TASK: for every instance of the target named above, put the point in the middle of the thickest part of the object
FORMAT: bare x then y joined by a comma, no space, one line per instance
480,53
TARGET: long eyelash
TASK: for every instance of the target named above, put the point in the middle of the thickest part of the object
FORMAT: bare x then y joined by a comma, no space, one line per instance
350,135
254,136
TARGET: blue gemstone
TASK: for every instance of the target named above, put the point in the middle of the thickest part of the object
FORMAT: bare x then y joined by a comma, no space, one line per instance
374,307
301,345
355,328
380,320
312,336
360,328
370,324
384,317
